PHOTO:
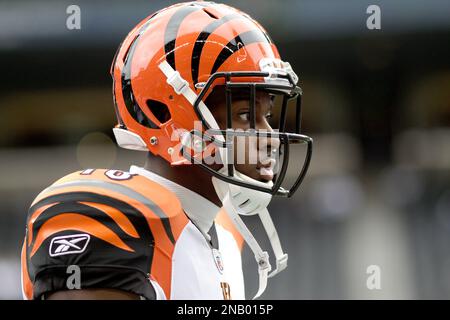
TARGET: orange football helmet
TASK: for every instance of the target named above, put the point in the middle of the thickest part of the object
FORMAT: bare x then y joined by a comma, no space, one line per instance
171,61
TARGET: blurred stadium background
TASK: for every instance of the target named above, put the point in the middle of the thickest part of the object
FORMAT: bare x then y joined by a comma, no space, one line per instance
377,103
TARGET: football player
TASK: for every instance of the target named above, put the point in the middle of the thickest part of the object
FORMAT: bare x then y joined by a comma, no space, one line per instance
201,87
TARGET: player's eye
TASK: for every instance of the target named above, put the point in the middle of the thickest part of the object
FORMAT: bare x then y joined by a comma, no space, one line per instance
244,115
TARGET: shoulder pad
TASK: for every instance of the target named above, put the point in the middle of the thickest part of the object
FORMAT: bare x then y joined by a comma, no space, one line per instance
126,214
114,191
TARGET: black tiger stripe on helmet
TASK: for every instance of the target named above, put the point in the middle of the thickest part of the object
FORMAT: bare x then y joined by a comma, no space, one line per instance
202,39
239,42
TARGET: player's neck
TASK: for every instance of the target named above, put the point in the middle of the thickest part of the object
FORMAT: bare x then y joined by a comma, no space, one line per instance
191,177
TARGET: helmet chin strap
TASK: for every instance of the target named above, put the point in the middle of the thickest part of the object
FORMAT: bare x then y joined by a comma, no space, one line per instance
261,257
235,199
243,201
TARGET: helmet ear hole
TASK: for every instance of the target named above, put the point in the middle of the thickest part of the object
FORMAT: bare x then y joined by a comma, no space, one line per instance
159,110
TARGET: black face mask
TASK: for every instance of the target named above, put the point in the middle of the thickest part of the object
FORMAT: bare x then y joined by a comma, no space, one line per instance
284,119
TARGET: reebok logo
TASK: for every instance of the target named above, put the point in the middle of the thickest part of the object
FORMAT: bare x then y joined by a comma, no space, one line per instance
71,244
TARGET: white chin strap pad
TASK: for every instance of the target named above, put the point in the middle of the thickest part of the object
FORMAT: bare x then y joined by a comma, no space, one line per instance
248,201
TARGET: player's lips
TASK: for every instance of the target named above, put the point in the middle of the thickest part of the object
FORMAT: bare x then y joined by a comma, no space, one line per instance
266,170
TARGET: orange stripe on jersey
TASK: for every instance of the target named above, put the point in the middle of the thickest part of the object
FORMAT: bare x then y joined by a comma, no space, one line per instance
153,220
122,221
27,285
74,221
163,198
224,220
33,218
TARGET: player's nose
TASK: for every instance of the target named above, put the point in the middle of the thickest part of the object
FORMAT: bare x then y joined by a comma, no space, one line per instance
268,146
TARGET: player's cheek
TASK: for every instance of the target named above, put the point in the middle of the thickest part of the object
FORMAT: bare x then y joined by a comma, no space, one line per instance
241,154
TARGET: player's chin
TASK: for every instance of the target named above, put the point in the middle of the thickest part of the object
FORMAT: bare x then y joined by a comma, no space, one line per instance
265,175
